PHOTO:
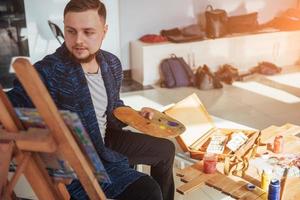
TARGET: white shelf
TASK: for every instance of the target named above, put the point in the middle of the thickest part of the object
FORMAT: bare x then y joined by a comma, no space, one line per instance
243,51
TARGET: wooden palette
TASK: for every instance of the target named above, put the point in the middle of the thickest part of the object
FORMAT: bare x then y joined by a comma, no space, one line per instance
160,125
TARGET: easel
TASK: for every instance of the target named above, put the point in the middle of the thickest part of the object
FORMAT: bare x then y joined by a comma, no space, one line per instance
25,143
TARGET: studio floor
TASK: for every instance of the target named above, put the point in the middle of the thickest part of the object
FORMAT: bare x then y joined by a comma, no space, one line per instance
258,102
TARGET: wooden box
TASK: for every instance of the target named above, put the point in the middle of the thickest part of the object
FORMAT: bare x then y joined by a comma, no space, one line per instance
200,128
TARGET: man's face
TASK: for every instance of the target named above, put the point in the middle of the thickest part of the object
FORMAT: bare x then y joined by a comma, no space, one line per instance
84,33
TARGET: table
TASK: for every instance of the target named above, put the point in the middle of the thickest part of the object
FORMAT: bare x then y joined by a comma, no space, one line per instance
235,186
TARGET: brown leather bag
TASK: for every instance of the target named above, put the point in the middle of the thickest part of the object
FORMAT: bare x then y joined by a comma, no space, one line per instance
216,22
243,23
205,80
266,68
227,74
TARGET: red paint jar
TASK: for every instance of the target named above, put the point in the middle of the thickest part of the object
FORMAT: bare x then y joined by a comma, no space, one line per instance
278,144
210,163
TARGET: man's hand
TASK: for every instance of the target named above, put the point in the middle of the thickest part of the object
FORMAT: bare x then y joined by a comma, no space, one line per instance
147,113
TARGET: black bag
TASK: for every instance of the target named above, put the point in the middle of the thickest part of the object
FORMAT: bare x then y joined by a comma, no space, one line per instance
216,22
243,23
205,80
176,73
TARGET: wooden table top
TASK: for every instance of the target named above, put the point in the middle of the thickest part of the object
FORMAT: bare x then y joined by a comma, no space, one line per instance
236,186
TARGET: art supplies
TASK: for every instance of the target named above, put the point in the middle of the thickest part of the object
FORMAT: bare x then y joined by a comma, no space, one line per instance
283,181
237,140
250,186
265,180
210,163
278,144
277,163
202,135
161,125
274,190
217,144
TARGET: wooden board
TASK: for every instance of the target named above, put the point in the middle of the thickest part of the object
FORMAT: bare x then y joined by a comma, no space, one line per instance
270,132
194,184
34,139
291,191
234,187
213,182
189,173
160,125
230,185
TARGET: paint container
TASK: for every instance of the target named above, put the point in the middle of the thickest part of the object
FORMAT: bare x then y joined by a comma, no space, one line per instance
265,179
278,144
274,190
250,187
210,163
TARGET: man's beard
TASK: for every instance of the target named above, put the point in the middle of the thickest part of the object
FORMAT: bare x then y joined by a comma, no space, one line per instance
87,59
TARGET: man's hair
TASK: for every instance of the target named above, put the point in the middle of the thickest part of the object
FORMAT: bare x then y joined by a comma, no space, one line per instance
84,5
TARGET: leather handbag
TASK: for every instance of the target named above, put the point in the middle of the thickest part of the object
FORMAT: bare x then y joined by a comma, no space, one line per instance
216,22
266,68
243,23
186,34
227,74
205,80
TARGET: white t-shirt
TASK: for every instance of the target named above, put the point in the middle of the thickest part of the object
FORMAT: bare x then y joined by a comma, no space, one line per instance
99,98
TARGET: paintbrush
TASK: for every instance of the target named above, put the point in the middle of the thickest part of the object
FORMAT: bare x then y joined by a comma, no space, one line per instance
283,181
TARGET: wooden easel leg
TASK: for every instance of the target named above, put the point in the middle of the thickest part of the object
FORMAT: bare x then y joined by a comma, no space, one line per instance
63,190
38,178
6,150
18,173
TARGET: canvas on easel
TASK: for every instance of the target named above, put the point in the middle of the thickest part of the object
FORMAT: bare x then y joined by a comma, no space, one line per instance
63,142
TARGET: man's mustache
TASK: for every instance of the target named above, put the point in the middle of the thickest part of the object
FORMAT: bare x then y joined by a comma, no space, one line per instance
79,46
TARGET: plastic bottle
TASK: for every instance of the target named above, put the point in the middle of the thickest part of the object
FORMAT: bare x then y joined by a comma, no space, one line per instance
265,179
278,144
274,190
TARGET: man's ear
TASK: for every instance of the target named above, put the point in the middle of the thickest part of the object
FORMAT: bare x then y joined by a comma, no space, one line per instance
105,30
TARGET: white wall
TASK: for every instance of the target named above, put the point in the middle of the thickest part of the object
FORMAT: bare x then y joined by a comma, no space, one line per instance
128,20
40,38
139,17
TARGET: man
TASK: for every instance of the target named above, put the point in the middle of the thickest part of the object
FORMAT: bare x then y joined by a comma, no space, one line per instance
84,79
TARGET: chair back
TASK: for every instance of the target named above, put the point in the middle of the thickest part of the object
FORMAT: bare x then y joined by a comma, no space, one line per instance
56,32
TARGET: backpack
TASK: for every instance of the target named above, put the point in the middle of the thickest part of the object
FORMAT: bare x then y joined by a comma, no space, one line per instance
176,72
